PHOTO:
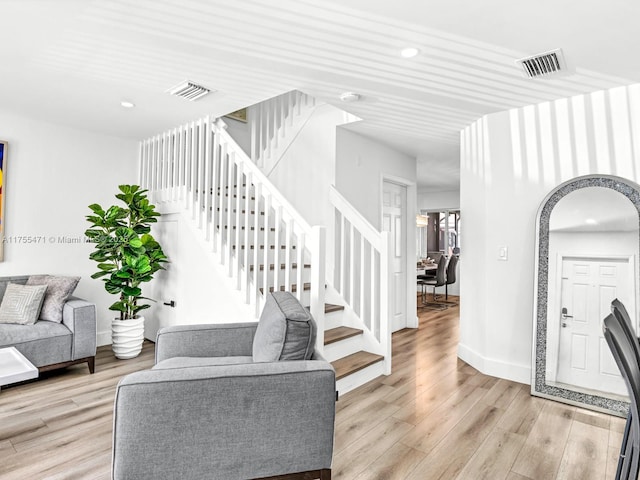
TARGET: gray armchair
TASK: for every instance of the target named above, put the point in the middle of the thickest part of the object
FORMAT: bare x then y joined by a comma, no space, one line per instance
230,401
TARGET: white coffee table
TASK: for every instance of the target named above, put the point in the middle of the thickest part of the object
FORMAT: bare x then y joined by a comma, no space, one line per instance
14,367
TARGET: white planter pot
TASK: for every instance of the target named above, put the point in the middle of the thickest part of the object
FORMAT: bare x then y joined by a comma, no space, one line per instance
127,337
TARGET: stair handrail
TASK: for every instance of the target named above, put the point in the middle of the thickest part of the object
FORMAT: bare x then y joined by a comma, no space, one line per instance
379,241
343,205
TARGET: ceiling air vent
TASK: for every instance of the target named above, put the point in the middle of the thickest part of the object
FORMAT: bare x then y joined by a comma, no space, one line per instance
543,64
189,90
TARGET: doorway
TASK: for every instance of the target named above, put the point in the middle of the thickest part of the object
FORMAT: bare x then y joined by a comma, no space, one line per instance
394,220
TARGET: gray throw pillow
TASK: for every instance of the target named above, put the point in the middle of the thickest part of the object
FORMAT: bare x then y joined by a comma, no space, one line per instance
21,303
59,289
286,330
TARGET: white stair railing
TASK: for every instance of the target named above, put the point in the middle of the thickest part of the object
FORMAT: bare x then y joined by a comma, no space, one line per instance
272,122
253,231
361,273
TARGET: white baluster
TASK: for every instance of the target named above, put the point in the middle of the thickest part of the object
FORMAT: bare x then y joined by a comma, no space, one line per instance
343,257
266,242
216,197
288,234
256,241
246,237
363,279
234,212
176,165
224,203
207,186
277,218
188,204
181,164
385,304
318,264
300,247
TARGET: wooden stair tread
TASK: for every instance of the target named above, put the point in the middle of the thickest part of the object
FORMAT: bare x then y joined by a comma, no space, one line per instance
226,210
294,288
340,333
271,247
330,307
354,363
282,266
253,229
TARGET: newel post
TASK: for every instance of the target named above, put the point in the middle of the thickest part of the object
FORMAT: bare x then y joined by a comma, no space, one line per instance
385,301
318,280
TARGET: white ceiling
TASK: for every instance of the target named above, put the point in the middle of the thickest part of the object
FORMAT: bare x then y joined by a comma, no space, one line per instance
73,61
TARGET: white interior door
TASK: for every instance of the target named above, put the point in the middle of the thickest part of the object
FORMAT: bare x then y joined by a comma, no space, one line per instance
588,287
164,285
394,207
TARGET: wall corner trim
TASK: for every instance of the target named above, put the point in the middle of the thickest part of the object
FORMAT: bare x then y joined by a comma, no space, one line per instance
493,367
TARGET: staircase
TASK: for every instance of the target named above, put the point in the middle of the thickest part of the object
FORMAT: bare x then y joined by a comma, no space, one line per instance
263,243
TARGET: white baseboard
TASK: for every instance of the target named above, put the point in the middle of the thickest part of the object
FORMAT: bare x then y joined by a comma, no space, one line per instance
493,367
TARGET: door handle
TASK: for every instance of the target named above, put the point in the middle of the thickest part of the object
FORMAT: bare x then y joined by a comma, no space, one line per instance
172,303
564,313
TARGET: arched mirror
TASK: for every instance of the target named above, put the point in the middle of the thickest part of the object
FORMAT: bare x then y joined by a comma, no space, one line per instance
587,251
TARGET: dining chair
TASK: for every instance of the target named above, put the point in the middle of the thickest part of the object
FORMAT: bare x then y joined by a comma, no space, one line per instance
451,275
620,312
439,280
624,349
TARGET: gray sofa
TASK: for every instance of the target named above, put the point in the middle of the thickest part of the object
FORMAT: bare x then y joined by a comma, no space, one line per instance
50,345
209,410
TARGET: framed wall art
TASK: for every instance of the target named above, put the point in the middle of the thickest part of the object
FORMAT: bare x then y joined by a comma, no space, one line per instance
3,169
240,115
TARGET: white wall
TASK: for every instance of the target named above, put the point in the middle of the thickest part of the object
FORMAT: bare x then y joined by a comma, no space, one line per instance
361,163
240,131
194,280
52,174
509,163
445,200
307,169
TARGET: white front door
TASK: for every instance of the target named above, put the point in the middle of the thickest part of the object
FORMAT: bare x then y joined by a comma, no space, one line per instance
588,287
394,208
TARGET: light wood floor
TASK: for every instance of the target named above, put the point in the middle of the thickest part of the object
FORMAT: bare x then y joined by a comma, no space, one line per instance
434,418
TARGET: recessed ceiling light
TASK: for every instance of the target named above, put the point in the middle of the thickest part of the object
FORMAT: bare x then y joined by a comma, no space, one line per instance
591,221
349,97
127,104
409,52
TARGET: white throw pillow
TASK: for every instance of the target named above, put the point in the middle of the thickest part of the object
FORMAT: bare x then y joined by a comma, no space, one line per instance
21,303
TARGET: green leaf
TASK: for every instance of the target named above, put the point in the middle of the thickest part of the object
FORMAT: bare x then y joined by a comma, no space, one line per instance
97,209
112,288
119,307
131,291
137,308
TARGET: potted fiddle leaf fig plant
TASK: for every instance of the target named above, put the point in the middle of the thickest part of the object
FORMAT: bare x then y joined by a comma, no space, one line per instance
127,256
